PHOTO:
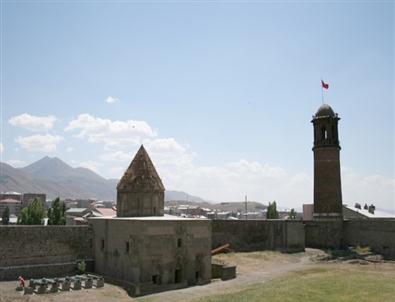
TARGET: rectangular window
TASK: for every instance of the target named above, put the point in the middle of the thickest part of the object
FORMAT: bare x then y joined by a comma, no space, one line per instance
127,246
179,242
102,244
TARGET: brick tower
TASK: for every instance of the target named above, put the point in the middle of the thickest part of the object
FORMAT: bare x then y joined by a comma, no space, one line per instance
327,183
140,191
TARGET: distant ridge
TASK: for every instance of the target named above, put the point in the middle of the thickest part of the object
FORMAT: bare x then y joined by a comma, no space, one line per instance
56,178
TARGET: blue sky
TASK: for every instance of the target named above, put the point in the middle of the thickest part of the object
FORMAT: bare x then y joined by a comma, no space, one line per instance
224,92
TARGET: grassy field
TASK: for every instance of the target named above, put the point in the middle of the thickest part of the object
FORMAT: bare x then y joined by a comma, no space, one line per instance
325,284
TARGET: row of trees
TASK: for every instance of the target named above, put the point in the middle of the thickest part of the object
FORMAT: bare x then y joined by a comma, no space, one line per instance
35,213
272,212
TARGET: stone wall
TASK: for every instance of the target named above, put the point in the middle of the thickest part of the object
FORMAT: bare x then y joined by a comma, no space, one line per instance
38,251
379,234
152,253
324,234
256,235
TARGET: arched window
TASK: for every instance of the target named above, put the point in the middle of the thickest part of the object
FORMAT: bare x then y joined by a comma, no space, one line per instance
324,133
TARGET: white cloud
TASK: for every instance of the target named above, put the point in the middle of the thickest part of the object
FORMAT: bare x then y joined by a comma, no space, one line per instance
33,123
222,182
111,100
108,132
376,189
41,143
16,163
116,156
91,165
261,182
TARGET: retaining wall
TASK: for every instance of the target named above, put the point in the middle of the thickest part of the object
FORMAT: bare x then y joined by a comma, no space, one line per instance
324,234
379,234
256,235
38,251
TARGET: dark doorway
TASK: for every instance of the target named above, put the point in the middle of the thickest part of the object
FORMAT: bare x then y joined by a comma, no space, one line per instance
155,279
177,276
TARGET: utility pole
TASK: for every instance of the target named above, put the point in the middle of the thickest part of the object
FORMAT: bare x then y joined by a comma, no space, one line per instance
246,206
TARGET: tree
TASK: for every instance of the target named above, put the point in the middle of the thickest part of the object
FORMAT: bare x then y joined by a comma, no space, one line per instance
272,211
49,215
292,214
33,214
5,218
56,214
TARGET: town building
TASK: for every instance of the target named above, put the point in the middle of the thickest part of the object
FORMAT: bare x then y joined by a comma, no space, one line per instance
11,195
143,249
13,205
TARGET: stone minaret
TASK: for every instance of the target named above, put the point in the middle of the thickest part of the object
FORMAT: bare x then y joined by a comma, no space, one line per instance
140,191
327,183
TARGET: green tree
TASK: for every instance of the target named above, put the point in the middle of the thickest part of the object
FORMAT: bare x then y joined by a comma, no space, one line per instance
5,218
33,214
49,215
272,211
56,214
292,214
23,217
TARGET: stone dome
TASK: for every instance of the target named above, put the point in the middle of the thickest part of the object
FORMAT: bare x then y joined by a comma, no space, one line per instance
325,110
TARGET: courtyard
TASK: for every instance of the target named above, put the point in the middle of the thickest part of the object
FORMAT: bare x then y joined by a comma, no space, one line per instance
261,276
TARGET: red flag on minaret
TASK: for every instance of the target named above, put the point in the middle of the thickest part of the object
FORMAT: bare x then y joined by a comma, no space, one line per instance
324,85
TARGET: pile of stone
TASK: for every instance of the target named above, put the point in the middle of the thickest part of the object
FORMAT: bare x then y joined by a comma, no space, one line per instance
49,285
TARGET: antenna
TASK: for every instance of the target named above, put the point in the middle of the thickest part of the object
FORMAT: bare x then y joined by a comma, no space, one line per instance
246,206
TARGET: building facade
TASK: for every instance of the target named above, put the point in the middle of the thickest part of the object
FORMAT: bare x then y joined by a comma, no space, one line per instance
150,254
13,205
144,250
327,182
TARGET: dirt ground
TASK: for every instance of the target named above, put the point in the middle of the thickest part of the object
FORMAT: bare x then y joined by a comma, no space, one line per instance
252,268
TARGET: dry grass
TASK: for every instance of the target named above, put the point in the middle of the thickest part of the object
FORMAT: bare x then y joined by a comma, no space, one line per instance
329,283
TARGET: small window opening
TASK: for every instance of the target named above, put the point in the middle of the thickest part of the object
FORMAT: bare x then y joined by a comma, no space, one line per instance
197,275
179,242
102,244
127,246
324,133
154,210
155,279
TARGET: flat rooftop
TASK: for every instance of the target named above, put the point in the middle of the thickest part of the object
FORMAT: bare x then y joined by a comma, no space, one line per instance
165,217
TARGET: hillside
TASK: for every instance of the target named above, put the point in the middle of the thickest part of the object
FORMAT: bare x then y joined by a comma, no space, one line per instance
56,178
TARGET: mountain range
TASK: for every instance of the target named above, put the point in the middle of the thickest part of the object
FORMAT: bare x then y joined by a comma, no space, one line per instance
54,177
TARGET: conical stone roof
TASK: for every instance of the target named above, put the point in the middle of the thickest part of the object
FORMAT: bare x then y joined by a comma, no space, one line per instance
141,175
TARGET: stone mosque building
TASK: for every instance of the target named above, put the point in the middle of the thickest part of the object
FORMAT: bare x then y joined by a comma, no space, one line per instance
144,250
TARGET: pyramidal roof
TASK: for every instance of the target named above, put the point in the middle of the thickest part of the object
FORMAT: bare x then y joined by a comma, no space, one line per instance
141,175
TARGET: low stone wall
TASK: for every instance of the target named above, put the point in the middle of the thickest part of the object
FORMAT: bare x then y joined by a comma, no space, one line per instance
256,235
38,251
378,234
324,234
